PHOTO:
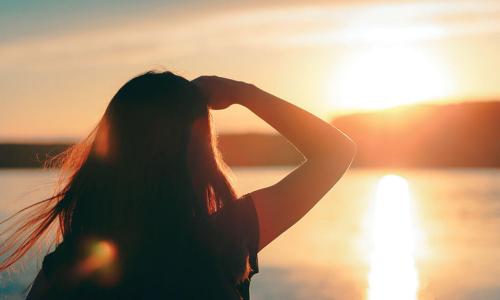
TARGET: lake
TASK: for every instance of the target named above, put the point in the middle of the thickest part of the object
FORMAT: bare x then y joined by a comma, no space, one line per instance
423,234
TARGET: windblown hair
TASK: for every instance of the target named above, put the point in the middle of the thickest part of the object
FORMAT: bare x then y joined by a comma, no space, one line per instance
145,178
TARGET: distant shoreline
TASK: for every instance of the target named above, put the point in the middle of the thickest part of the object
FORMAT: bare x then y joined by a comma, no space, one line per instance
459,135
267,150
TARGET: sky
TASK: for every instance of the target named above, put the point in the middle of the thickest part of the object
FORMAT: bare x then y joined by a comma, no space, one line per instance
62,61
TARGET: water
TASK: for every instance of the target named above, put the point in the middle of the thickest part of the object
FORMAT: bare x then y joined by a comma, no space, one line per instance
329,253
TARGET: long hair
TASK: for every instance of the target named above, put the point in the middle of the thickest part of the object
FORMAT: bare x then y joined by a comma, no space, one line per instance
144,178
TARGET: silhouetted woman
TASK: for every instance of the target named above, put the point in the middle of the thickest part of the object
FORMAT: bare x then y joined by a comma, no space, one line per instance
145,210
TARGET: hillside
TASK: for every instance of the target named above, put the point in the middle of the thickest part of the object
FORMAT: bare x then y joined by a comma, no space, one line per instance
452,135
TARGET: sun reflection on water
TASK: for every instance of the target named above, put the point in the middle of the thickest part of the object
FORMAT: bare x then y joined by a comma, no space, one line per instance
393,275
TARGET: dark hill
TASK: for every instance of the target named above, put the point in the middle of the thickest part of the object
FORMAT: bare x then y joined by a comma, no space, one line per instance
452,135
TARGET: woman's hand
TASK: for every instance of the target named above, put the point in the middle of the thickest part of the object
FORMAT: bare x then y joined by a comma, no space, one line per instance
223,92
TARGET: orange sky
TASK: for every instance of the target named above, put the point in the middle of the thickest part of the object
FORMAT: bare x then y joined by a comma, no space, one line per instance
61,66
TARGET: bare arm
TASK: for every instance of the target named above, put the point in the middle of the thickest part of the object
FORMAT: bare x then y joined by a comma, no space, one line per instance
327,150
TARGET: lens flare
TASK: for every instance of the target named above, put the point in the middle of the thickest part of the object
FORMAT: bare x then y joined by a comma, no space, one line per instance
393,275
100,263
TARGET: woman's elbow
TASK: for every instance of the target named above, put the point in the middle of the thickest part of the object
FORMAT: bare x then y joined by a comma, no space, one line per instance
344,150
338,156
347,152
352,148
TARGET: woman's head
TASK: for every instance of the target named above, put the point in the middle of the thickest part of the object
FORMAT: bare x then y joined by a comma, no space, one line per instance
146,173
157,131
149,120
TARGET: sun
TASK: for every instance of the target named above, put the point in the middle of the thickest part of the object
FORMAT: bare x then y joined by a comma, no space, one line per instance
386,76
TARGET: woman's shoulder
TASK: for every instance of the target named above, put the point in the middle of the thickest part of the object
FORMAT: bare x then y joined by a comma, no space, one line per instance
53,261
240,214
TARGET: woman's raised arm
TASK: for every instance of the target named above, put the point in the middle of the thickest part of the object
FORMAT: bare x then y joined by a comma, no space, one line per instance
328,153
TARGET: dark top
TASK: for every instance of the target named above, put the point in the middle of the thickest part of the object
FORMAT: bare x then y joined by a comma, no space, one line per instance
238,220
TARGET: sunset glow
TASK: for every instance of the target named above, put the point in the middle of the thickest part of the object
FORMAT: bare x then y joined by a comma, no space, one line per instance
393,275
302,150
387,76
329,58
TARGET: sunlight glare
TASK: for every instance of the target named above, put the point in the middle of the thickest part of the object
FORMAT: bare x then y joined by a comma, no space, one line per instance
387,76
393,275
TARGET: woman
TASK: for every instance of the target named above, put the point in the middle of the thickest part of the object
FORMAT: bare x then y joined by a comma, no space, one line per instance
145,209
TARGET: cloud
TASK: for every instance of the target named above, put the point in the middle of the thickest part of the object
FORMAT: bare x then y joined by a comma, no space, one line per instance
192,33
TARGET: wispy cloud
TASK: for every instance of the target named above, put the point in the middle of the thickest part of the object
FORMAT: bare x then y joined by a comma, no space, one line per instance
270,27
